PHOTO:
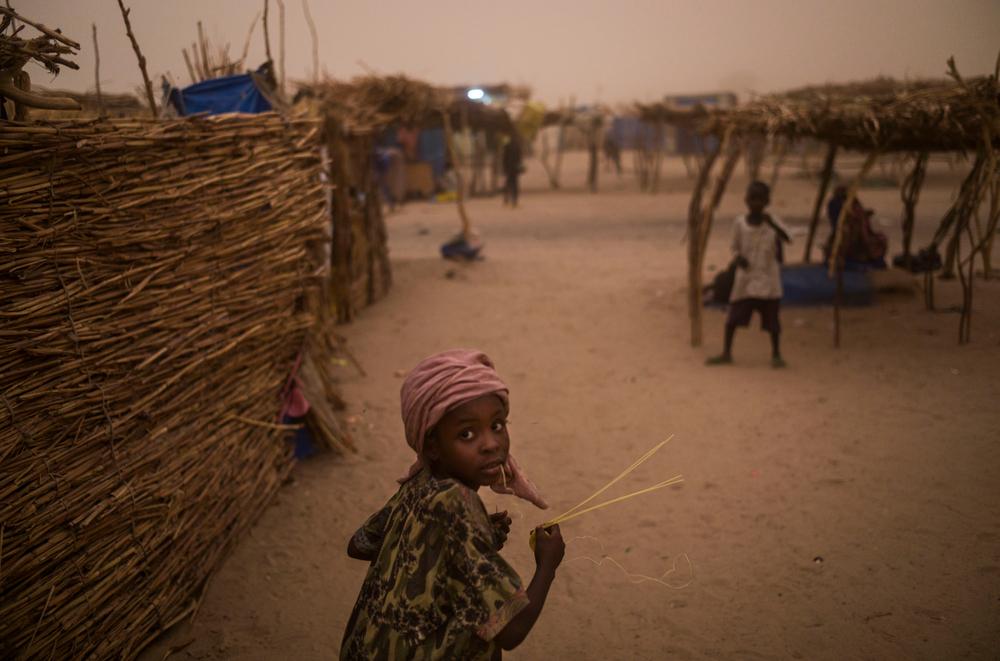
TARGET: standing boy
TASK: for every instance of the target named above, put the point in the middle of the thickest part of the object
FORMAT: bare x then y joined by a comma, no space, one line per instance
757,238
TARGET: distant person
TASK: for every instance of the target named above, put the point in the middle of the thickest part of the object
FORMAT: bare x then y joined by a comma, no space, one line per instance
860,245
612,151
757,254
437,587
513,167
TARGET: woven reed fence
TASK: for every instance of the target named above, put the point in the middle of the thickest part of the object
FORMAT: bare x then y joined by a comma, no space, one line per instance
157,280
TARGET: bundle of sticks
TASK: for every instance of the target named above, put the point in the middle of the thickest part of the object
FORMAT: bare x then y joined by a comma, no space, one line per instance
158,284
47,49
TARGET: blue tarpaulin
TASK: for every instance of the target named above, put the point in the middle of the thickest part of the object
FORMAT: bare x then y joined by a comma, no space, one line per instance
811,285
219,95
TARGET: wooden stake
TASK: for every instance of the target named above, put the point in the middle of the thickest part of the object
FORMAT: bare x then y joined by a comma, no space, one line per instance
187,62
910,193
142,60
246,42
315,40
97,72
694,248
203,48
824,185
267,38
281,48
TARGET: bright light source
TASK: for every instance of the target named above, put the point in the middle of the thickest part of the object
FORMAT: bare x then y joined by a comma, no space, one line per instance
476,94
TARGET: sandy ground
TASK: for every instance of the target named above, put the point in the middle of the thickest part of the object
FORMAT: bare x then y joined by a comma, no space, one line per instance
844,508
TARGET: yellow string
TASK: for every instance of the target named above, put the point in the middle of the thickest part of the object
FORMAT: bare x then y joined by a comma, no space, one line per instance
637,578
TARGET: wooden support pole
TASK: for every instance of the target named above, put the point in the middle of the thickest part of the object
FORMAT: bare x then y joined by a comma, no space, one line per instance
315,40
97,72
910,193
281,50
708,213
449,139
824,185
246,42
267,36
142,60
694,247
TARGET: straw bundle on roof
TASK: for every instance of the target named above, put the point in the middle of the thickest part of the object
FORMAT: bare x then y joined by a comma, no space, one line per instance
151,304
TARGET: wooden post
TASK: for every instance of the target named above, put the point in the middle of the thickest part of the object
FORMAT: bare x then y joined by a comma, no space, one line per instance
315,40
142,60
910,193
836,264
824,185
708,213
281,50
459,186
267,35
694,247
97,72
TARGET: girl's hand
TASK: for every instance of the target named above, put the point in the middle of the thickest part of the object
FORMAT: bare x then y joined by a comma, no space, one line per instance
501,527
549,546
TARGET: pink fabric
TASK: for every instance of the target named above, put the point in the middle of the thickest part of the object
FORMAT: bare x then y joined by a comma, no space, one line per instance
443,381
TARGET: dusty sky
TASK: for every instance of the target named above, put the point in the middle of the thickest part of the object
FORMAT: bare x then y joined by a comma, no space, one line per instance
604,50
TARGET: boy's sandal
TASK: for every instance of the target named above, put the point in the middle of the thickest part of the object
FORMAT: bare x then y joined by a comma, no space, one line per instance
719,360
778,362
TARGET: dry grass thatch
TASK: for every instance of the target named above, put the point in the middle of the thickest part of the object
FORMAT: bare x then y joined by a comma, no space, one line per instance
158,281
947,116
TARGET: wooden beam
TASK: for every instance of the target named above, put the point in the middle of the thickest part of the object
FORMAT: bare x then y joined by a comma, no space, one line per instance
824,185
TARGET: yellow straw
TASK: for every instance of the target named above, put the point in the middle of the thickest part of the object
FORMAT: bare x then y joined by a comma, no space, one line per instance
607,486
576,510
676,479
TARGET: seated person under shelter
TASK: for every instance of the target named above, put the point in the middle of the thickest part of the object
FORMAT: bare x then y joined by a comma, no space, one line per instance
861,245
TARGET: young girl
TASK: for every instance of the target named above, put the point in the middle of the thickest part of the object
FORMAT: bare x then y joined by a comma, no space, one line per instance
437,587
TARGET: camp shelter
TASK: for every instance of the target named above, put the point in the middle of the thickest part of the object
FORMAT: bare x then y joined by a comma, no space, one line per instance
877,119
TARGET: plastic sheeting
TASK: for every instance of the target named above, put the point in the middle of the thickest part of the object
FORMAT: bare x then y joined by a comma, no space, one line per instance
220,95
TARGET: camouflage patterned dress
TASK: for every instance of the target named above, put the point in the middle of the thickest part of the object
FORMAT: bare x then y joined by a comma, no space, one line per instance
438,588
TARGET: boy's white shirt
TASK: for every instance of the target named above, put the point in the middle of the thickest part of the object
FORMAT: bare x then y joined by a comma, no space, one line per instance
758,245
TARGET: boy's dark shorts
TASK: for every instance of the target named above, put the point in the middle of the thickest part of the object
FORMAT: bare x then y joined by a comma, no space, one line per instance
742,310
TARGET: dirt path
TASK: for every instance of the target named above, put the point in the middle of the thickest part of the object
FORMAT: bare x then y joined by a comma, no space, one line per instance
842,508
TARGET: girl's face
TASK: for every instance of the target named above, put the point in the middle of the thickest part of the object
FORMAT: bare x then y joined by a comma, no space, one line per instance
470,443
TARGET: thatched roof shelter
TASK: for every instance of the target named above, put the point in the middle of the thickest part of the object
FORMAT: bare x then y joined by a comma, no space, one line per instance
370,103
876,117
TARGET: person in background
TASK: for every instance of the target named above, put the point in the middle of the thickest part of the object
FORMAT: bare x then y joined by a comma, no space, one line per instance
757,239
513,166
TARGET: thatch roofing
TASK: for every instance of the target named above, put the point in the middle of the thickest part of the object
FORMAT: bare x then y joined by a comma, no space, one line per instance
880,114
943,117
369,103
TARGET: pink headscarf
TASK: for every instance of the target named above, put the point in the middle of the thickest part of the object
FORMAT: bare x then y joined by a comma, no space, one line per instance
443,381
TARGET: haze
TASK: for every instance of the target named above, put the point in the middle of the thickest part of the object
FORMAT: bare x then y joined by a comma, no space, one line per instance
595,51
